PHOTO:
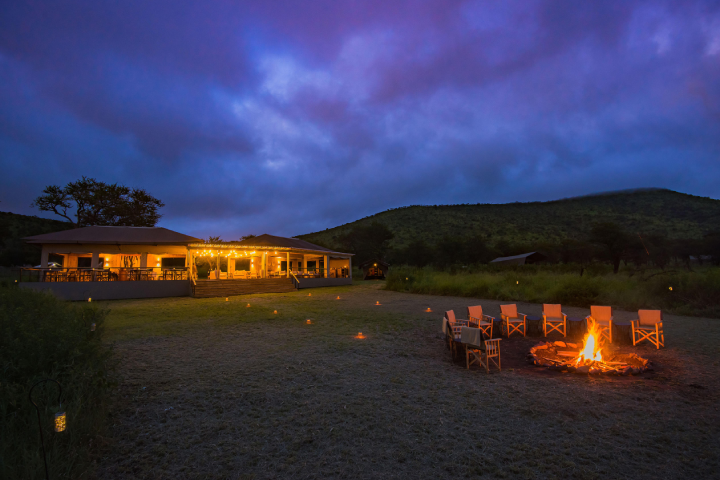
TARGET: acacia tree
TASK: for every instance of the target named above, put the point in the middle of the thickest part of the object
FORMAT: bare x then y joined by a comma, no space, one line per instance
99,203
368,242
614,240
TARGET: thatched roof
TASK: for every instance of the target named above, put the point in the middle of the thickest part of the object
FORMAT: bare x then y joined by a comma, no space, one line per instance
115,236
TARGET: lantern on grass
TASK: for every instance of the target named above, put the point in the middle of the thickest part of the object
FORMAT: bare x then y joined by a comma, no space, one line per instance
360,336
227,299
309,294
60,422
671,289
308,321
428,310
248,304
338,298
274,311
89,299
377,303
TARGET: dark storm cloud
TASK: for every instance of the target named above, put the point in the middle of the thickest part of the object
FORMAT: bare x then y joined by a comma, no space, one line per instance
289,117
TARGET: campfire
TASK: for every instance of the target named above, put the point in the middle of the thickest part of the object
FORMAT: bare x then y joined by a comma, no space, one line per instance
568,357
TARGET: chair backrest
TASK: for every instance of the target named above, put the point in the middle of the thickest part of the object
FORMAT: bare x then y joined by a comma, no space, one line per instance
509,310
450,315
475,311
601,313
552,310
649,317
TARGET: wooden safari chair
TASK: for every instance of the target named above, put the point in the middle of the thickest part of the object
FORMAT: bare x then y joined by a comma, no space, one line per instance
452,329
512,321
648,326
554,319
602,318
482,350
483,322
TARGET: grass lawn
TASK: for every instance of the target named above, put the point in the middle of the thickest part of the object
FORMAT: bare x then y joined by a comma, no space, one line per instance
216,389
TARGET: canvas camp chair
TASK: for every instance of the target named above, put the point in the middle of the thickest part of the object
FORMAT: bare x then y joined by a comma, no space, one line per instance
648,326
554,319
602,318
483,322
512,321
453,329
482,350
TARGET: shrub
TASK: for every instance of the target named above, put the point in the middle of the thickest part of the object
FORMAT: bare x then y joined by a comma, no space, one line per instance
693,293
44,337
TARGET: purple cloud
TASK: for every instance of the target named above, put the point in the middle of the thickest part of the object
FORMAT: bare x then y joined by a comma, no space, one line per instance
289,117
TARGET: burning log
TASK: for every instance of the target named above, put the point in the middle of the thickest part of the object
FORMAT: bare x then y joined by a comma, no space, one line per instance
588,359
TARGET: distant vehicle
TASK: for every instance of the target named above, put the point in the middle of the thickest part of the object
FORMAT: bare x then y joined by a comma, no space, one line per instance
50,265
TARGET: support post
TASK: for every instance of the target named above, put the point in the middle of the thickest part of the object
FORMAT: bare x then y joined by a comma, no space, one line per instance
287,264
143,259
327,266
264,265
44,257
94,263
350,267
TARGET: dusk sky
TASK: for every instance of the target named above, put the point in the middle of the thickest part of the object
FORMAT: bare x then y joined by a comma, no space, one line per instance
292,117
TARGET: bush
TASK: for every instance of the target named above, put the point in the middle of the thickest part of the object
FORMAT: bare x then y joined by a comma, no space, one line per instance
44,337
693,293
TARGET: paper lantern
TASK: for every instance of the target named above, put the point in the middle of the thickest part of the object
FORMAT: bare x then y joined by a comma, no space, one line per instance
360,335
309,321
89,300
338,298
275,311
248,304
60,422
377,303
227,299
428,310
671,289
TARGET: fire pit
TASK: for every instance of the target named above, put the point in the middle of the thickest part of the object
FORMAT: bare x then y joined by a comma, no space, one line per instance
588,359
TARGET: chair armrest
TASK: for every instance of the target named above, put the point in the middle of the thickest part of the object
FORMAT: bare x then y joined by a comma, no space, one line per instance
524,317
564,315
635,323
492,319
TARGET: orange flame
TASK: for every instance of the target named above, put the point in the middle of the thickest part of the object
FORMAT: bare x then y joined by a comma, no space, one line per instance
377,303
590,351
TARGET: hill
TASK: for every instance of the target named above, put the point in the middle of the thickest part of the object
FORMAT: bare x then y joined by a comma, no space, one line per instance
14,227
645,211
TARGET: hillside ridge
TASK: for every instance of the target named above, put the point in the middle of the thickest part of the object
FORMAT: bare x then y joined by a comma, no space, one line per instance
643,210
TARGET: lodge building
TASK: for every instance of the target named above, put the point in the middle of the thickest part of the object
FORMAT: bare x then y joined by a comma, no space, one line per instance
106,263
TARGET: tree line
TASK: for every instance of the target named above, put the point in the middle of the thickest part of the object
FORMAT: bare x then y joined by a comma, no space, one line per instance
606,242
